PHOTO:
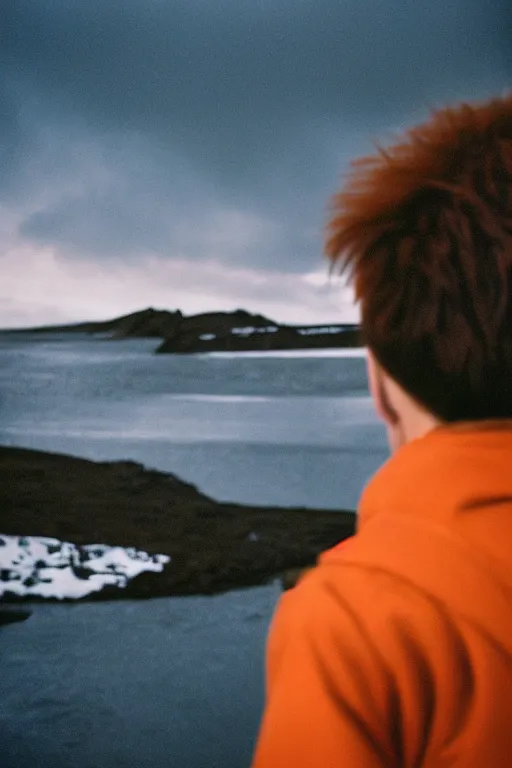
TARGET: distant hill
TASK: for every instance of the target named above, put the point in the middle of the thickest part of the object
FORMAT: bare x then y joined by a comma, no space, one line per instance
147,323
212,332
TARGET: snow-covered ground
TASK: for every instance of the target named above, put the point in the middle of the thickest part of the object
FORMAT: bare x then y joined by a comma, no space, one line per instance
249,330
317,330
44,567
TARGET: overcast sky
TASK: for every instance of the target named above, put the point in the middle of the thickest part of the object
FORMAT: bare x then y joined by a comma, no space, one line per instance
182,153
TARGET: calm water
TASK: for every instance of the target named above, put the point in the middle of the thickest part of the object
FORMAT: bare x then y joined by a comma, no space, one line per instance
173,682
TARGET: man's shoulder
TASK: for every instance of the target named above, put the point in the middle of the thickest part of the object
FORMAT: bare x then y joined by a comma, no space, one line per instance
344,599
368,635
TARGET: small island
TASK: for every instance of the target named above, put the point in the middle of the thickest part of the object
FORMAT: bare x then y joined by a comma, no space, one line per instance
203,546
237,331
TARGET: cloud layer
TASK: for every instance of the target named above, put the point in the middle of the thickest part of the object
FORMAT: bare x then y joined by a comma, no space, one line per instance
210,135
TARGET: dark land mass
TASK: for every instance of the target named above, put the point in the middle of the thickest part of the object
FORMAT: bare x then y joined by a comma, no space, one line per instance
212,332
214,546
148,323
12,616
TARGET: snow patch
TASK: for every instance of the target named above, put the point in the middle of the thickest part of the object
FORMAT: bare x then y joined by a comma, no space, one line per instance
249,330
322,330
32,566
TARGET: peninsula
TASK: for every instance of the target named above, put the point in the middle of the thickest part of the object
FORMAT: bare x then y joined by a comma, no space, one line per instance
204,546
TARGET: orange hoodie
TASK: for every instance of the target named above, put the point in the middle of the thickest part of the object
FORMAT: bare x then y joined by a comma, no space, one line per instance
397,649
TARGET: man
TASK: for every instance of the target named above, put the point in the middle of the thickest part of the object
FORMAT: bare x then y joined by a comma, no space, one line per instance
397,649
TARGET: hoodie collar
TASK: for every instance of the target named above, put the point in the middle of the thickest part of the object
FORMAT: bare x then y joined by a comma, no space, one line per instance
449,471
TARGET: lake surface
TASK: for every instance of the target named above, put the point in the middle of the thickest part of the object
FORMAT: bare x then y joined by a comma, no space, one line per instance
173,682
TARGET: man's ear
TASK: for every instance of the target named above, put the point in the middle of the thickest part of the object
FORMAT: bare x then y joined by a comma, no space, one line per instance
379,393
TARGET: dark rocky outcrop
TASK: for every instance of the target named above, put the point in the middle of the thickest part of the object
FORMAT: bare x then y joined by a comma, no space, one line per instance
206,331
12,616
235,331
229,336
214,546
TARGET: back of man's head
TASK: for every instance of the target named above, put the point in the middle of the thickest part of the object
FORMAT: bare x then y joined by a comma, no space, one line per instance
425,227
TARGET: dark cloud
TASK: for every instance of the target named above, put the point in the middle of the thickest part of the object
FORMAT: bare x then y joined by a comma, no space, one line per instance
127,124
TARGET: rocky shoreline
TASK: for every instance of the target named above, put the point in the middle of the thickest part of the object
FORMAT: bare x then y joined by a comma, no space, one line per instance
213,546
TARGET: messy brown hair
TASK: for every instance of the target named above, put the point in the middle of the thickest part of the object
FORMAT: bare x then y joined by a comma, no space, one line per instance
425,229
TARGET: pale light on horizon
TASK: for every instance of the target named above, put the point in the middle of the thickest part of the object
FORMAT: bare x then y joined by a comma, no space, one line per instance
40,286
